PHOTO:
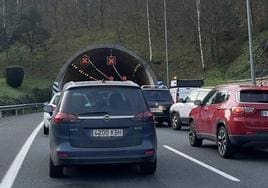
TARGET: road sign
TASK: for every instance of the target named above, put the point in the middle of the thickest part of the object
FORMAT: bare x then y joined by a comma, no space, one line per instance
84,60
111,60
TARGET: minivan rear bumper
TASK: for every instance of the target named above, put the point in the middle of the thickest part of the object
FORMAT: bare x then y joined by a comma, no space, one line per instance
67,155
256,140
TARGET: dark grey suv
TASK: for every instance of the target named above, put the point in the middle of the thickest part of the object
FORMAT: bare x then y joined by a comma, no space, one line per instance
159,101
102,123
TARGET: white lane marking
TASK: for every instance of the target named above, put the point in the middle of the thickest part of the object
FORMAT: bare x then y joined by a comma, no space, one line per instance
215,170
14,168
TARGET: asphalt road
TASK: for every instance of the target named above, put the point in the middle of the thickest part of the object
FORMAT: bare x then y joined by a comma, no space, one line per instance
179,164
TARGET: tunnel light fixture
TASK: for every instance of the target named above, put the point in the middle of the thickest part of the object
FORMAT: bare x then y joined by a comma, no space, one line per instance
83,73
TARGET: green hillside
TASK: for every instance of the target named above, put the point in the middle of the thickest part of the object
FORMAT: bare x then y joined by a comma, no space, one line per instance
61,28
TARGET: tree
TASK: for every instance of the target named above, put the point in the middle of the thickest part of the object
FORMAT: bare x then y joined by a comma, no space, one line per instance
4,13
198,10
149,30
5,41
30,32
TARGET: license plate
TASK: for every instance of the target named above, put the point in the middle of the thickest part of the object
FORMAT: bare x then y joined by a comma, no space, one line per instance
156,110
264,113
107,132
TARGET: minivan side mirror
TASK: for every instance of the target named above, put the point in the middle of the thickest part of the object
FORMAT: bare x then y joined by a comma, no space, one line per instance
48,108
198,103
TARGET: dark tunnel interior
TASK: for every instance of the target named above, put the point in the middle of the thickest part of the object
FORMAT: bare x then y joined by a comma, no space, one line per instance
126,67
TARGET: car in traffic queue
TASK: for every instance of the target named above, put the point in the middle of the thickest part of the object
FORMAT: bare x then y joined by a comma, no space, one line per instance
102,122
47,116
159,100
233,116
180,111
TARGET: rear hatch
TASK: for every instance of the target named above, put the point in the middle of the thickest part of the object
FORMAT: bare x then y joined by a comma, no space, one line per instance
255,103
107,117
159,100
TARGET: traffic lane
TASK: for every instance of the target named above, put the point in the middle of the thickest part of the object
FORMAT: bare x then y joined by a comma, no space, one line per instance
14,131
34,173
248,165
172,171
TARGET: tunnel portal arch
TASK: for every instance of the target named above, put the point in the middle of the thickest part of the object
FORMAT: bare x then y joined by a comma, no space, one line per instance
128,65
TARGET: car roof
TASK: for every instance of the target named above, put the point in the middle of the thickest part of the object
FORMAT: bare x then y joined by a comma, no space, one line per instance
242,86
71,85
155,89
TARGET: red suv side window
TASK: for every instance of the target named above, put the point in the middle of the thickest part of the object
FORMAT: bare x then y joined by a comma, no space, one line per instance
221,96
209,99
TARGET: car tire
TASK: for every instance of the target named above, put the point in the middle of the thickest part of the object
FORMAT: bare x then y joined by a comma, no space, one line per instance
193,139
45,130
175,121
149,167
225,148
55,171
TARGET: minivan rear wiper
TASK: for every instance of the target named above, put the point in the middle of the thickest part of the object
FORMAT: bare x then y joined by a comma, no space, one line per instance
93,113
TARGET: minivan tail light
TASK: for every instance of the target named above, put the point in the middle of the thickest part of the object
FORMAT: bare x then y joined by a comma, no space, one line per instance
144,116
62,117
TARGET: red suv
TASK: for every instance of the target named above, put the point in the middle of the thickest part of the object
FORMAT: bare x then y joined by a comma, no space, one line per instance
233,116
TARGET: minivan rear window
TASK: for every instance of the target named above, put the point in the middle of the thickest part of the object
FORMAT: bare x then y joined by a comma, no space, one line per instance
104,100
255,96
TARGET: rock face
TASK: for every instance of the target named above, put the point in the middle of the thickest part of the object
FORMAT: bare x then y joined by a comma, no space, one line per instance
108,62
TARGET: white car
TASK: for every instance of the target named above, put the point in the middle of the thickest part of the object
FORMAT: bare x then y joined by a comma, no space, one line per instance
180,111
47,117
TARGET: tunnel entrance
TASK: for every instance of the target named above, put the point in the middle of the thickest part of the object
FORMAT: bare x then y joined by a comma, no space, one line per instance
108,62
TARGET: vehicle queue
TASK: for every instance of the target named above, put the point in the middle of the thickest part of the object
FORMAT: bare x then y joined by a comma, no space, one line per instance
232,116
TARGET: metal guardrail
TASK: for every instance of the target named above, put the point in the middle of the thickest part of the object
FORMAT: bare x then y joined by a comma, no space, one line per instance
18,107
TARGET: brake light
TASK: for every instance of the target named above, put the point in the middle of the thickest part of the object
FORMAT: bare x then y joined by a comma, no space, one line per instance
149,152
242,110
144,116
63,117
238,110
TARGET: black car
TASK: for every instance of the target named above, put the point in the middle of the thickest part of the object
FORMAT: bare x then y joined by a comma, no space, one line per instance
102,123
159,101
